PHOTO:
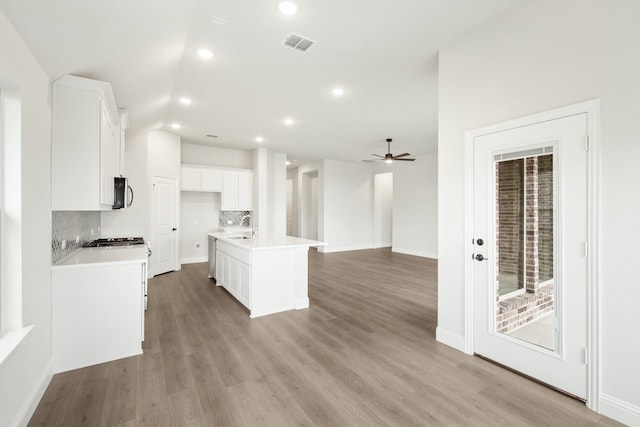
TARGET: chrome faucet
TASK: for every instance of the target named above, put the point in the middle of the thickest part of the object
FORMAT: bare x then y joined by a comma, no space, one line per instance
254,232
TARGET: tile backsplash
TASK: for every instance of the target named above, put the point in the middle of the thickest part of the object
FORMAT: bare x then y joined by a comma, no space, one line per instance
234,216
67,225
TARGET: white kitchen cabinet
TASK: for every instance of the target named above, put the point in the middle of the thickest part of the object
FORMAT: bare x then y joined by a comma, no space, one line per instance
85,129
212,180
190,178
234,272
97,313
244,283
201,178
237,192
268,274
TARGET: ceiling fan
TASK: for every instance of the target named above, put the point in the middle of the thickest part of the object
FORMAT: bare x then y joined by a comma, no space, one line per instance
389,158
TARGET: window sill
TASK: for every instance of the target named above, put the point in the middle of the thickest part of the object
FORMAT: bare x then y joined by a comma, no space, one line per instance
9,341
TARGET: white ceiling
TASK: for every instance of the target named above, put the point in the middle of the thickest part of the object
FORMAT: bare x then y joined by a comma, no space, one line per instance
383,53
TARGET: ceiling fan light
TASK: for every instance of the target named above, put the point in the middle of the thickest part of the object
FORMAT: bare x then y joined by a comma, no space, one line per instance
388,161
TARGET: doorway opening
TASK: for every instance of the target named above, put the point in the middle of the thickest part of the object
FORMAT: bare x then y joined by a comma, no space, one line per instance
383,210
309,206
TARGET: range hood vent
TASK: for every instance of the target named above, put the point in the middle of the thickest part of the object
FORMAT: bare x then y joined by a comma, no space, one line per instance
298,42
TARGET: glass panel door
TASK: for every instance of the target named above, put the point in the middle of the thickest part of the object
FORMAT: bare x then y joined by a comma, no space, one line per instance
524,228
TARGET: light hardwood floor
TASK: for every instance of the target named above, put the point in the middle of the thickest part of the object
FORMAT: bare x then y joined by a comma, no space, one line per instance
363,354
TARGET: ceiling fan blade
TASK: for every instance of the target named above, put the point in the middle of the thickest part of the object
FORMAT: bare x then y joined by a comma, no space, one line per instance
372,160
405,160
378,155
401,155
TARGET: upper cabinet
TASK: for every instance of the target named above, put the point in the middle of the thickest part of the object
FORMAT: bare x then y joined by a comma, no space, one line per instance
86,148
237,194
200,178
236,185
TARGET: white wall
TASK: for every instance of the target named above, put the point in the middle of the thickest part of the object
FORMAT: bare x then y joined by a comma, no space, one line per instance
292,174
544,55
198,217
164,161
347,205
382,209
154,154
303,202
415,205
198,154
270,187
26,371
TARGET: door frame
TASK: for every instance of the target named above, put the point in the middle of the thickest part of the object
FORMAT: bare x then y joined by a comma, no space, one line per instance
592,110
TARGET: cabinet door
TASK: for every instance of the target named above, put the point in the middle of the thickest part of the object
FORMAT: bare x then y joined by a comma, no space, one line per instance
244,282
230,191
234,279
245,191
106,159
212,180
190,179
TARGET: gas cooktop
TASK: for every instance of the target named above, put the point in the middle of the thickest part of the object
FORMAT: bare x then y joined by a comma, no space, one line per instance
115,241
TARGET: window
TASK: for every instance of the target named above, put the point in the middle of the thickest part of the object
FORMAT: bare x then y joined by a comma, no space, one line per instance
11,329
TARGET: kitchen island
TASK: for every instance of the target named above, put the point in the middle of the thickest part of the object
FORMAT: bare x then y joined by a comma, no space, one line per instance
267,274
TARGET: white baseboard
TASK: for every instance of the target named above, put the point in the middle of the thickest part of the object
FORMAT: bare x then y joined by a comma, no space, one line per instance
193,260
415,253
382,245
328,249
30,405
450,338
619,410
302,303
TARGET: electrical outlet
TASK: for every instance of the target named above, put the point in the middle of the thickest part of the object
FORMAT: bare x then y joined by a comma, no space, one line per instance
77,239
63,244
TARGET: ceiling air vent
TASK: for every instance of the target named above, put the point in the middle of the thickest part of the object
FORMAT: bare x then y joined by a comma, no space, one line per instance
298,42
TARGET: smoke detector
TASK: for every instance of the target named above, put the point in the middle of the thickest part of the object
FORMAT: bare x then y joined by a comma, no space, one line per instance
298,42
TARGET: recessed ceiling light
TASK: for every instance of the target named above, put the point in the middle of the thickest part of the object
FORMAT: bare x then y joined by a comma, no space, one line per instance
288,7
176,125
288,121
259,139
205,53
185,101
287,163
337,91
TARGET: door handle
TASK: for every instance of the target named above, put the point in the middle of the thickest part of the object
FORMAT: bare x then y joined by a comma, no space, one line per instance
173,229
481,257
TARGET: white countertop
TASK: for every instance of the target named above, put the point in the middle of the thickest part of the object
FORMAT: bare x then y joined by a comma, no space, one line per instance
111,254
264,242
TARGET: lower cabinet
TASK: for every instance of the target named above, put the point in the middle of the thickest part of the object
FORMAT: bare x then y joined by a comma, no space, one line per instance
234,274
97,313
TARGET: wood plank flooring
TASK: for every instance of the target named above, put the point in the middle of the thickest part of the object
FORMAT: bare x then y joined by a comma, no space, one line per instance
363,354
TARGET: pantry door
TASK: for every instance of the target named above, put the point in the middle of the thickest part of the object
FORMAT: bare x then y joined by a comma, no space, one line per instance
530,228
165,225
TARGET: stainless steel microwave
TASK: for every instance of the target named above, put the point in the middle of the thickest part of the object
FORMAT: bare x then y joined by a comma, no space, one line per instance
122,193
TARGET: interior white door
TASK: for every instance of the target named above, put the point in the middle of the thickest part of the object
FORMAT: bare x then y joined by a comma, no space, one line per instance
530,236
165,225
